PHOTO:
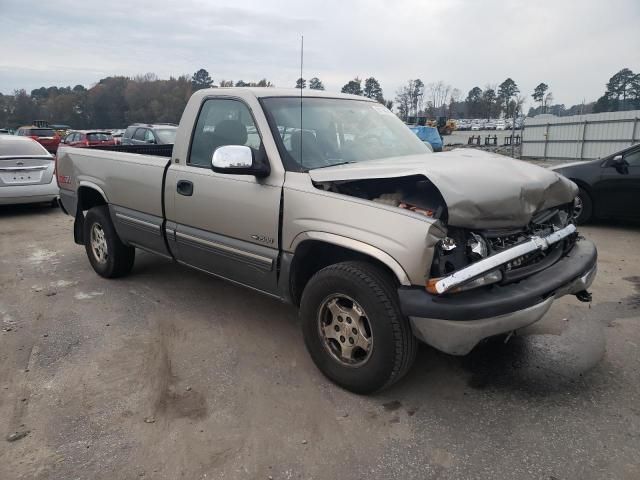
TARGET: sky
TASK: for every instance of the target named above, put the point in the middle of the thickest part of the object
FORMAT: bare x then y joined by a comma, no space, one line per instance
574,46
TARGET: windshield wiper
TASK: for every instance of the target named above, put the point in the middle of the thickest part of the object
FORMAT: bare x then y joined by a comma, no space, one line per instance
333,165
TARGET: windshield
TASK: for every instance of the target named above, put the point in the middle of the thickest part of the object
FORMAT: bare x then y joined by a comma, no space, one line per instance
336,131
166,135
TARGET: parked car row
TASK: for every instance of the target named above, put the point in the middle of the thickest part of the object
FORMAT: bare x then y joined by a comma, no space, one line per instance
27,157
487,124
607,187
51,136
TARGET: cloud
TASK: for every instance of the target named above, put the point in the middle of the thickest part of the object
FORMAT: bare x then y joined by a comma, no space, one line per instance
572,46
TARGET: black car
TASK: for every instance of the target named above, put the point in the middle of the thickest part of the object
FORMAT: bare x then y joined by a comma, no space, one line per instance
609,187
146,133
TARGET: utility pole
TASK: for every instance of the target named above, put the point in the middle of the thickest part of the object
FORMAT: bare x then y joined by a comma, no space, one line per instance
513,129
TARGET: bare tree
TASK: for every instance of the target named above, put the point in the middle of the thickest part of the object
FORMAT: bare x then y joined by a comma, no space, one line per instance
454,98
409,98
439,93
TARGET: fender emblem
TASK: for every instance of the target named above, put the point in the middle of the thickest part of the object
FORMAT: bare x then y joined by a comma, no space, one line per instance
263,239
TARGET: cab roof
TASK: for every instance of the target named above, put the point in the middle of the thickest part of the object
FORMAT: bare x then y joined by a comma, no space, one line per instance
265,92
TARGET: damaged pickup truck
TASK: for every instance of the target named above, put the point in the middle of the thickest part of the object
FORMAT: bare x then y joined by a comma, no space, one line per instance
331,203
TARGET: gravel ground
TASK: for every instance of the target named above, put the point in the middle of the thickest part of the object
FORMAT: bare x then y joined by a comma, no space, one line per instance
172,374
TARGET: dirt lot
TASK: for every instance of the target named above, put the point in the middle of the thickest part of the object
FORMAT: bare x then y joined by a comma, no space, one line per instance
171,374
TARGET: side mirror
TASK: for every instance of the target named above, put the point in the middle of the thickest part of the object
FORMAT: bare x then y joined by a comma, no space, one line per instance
238,160
619,164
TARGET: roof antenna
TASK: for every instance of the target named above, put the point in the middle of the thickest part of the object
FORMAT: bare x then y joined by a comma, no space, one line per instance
301,86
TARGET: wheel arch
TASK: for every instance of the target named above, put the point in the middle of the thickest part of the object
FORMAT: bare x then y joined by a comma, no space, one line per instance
312,251
89,195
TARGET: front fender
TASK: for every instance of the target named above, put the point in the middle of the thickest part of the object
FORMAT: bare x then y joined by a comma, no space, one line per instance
357,246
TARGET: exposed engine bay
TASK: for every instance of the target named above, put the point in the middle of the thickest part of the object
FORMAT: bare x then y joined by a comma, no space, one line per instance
415,193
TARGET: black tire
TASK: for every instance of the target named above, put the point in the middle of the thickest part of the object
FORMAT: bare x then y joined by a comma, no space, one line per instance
393,347
586,212
119,258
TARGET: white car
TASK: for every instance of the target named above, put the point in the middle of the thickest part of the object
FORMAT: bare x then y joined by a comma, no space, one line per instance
26,172
500,126
476,126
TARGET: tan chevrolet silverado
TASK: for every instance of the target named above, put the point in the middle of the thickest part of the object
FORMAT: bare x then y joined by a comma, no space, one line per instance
331,203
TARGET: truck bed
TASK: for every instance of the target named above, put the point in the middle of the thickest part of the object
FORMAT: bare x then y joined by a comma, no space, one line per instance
156,150
128,175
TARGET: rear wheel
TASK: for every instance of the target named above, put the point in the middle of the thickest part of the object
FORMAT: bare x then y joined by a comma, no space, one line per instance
582,207
353,327
109,257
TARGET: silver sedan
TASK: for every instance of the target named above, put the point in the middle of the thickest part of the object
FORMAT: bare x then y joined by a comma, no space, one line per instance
27,172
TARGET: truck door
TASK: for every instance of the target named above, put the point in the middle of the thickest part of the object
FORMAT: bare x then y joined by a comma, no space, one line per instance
225,224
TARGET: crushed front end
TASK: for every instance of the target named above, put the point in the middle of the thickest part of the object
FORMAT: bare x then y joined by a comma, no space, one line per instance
486,282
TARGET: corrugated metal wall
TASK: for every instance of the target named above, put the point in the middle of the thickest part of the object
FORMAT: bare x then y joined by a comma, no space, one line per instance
580,137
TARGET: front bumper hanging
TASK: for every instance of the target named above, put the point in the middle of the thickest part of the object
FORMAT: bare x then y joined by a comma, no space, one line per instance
456,323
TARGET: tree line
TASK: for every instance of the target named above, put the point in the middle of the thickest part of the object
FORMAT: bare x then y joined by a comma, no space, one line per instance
622,92
114,102
119,101
436,99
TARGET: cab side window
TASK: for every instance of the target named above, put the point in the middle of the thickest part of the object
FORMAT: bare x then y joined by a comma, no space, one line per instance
222,122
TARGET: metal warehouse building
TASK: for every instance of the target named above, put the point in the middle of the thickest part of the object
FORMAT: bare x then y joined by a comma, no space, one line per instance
580,137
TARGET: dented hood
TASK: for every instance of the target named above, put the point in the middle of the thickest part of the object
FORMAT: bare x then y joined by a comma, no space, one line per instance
481,190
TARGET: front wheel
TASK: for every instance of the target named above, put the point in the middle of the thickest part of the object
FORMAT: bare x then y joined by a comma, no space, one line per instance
109,257
353,327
